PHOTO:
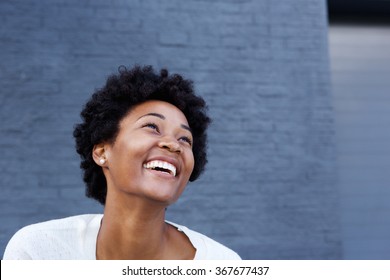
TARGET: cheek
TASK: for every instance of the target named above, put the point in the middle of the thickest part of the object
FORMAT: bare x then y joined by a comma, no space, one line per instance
190,162
126,155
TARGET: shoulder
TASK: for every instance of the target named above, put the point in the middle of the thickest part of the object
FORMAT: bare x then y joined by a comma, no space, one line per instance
68,223
207,248
44,240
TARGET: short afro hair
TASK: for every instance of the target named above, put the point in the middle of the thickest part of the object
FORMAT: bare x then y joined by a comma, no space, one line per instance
107,106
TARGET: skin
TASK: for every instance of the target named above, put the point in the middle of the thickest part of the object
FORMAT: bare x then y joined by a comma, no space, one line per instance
134,225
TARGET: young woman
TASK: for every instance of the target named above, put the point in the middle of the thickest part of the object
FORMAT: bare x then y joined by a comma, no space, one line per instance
143,137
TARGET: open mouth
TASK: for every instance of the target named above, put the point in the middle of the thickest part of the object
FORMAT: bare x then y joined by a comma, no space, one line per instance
161,166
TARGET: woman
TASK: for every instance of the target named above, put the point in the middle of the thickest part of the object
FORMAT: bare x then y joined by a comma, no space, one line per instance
143,137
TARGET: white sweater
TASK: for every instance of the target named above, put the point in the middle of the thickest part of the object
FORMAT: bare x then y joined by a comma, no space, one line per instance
74,238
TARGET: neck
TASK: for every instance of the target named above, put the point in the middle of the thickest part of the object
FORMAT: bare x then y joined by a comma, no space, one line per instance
135,232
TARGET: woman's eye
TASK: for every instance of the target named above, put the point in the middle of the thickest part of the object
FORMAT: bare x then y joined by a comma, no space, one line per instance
186,139
152,126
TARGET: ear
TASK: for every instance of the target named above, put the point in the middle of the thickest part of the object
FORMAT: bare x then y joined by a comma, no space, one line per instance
98,154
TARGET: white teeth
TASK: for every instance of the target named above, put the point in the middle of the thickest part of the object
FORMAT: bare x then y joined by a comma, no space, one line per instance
161,164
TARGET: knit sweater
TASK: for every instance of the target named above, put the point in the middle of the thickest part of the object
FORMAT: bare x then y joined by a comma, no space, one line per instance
75,238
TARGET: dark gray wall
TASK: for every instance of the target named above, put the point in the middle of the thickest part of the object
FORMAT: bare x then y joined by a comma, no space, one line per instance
359,8
269,189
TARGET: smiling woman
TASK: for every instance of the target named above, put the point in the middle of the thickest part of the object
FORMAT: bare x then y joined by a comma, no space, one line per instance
151,158
143,137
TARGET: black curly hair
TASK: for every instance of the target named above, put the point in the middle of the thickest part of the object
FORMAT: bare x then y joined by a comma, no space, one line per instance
102,114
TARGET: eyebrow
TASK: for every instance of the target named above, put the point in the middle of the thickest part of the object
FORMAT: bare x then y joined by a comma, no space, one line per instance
186,127
154,115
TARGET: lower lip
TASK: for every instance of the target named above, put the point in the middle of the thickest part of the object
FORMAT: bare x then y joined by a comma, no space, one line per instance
161,174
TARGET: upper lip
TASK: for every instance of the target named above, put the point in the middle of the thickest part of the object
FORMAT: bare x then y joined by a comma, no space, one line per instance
170,160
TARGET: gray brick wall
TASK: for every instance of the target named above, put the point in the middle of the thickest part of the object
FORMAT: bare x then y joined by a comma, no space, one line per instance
262,66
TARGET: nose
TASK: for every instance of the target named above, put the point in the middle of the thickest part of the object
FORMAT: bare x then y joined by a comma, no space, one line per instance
170,144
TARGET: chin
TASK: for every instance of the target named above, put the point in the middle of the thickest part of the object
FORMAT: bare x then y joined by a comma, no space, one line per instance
164,191
166,198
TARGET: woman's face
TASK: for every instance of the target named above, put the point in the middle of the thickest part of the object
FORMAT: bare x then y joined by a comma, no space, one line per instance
151,157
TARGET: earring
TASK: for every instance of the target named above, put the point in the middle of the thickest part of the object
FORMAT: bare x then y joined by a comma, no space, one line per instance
102,161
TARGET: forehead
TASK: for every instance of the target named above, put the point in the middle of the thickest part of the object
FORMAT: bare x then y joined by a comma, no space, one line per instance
169,111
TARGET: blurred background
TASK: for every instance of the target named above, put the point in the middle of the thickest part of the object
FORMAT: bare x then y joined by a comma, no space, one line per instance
299,146
359,40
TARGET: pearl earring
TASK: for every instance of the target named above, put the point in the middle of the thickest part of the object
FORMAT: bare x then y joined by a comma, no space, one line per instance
102,161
